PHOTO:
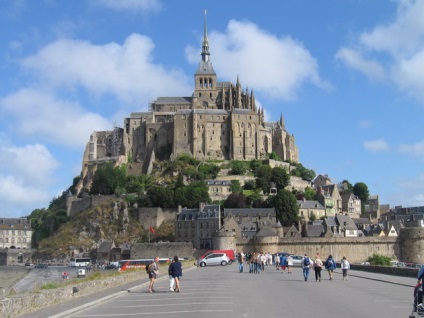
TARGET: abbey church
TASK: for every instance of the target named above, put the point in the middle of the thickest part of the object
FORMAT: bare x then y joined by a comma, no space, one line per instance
219,121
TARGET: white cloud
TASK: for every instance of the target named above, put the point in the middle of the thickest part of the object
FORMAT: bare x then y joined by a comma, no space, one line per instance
397,45
39,114
25,175
132,5
377,145
416,150
354,59
281,65
126,71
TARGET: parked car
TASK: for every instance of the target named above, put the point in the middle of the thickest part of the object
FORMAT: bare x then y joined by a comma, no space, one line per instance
297,260
29,265
214,259
111,266
42,265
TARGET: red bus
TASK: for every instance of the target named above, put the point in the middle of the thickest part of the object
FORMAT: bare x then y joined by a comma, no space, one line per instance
138,263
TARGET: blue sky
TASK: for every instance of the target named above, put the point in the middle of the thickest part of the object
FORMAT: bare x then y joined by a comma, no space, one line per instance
348,77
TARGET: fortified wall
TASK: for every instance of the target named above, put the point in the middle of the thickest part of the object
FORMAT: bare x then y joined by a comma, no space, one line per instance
76,205
162,250
407,247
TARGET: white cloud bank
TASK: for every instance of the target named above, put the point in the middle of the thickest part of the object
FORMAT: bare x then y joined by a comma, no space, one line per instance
281,65
378,145
132,5
416,150
393,51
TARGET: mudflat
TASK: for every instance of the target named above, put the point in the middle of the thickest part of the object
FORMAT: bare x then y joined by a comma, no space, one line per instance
10,275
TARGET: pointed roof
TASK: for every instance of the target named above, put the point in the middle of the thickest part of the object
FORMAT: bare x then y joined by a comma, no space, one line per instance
266,231
205,66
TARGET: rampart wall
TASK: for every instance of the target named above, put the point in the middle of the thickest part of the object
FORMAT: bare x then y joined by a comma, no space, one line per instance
79,205
162,250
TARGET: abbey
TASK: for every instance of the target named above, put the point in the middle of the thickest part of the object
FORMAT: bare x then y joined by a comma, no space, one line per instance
219,121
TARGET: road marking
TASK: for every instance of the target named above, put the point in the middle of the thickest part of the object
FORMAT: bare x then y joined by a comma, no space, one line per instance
159,313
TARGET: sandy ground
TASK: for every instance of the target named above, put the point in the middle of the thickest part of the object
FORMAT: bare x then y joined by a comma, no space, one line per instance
9,275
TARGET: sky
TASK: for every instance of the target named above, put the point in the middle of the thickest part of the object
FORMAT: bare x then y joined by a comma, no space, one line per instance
347,76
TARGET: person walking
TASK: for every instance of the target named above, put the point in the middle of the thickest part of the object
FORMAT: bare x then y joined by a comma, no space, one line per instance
289,262
330,266
318,268
240,257
283,262
153,271
306,265
171,279
176,271
345,267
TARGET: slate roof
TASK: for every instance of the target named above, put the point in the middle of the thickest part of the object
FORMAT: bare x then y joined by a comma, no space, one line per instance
15,223
105,246
315,230
266,231
173,100
346,222
361,221
310,204
252,212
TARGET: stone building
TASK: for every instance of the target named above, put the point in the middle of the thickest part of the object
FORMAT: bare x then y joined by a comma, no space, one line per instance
198,225
15,233
220,120
351,204
307,208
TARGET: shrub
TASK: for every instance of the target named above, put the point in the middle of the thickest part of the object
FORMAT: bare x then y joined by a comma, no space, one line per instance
381,260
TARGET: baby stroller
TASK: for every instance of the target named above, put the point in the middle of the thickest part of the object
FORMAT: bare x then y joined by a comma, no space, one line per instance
418,308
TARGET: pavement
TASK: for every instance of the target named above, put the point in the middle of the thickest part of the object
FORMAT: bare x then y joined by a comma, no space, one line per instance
68,308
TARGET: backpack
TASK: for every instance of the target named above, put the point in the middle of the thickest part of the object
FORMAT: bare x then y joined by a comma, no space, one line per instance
330,263
148,268
306,261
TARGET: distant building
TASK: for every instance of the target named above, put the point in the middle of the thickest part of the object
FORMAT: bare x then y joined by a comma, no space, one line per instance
15,233
198,225
372,208
351,204
307,208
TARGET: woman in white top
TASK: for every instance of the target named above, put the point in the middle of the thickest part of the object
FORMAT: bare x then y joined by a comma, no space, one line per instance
345,266
289,261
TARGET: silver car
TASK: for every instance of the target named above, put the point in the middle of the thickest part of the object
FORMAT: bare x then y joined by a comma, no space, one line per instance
214,259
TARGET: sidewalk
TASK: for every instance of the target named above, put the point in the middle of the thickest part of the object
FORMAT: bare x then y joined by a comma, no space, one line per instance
399,280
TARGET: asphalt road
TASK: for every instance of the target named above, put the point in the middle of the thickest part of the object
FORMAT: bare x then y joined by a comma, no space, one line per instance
222,292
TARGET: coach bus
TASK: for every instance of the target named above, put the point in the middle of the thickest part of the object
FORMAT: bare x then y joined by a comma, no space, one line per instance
138,263
80,262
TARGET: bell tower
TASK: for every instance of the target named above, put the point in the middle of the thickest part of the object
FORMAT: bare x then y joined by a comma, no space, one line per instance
205,89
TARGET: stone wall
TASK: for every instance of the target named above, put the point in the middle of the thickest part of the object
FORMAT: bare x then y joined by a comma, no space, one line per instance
356,250
162,250
154,217
17,305
79,205
411,242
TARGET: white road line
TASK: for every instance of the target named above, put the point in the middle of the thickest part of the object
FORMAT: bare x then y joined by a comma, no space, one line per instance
166,305
159,313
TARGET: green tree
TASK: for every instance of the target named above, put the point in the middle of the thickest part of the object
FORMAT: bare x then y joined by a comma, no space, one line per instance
255,200
190,196
107,178
238,167
286,207
161,196
254,165
302,172
235,186
235,201
209,171
280,177
263,177
310,193
360,189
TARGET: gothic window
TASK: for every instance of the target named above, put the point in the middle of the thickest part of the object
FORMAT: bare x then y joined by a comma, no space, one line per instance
210,95
185,134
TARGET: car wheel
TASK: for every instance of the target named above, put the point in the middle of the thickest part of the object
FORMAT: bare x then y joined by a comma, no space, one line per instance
202,264
223,263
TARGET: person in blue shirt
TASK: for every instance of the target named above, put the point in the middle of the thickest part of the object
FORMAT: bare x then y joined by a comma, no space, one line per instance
176,271
330,266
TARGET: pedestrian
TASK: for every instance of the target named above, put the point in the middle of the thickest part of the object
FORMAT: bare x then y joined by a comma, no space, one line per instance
283,262
345,266
240,257
263,262
176,272
330,266
277,261
171,279
306,265
289,263
317,268
153,271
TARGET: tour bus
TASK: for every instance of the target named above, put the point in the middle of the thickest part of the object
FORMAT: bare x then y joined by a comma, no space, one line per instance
138,263
80,262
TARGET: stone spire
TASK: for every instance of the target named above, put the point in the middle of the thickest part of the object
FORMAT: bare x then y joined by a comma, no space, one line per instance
205,45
